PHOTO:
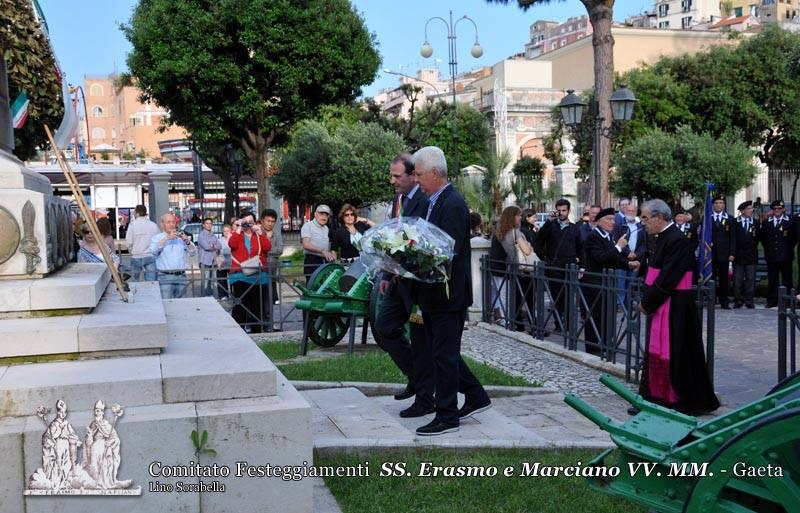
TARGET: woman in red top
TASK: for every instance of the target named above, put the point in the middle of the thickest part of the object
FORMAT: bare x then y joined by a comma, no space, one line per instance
250,286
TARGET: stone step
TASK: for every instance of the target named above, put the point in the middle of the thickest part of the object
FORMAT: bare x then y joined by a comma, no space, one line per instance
207,358
75,287
113,325
210,357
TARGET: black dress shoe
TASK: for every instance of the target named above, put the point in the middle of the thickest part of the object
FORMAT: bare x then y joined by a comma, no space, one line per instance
436,427
725,307
416,410
407,392
468,410
770,305
750,306
633,410
736,306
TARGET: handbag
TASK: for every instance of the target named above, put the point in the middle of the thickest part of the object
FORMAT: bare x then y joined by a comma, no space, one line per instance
526,261
253,264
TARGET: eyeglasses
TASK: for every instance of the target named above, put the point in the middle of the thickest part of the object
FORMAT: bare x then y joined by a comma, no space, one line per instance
348,214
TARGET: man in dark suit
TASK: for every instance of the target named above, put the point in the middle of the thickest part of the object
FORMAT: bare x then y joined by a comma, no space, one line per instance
601,253
559,245
396,305
746,235
444,305
723,248
778,238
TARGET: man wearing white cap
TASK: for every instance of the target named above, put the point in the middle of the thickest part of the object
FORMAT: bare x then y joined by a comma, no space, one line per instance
316,243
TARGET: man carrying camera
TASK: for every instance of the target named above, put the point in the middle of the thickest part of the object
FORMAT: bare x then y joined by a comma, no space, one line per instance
559,244
170,248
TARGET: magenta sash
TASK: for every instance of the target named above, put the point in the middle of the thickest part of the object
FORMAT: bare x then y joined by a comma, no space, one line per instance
658,350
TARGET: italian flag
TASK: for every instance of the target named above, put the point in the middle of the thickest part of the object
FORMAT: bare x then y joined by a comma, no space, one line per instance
19,110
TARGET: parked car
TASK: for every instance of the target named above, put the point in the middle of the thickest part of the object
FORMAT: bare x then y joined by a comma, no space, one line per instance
193,229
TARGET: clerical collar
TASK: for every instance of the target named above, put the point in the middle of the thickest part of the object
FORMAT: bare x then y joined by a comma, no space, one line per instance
602,233
670,224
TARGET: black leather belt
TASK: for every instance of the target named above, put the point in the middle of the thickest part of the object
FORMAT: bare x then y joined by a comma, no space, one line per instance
172,272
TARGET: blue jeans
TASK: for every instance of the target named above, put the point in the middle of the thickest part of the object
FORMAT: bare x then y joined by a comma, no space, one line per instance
624,277
208,278
172,285
143,265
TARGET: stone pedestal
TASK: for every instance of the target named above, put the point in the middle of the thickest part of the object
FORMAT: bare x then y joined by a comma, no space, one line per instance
210,377
35,226
480,247
565,178
158,194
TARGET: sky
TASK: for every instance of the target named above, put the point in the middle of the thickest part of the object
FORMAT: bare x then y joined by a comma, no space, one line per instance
87,39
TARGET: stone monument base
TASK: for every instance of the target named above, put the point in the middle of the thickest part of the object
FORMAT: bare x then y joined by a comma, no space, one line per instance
210,378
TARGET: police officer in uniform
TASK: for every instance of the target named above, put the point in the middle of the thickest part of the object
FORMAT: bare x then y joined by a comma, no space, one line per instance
746,234
723,248
778,238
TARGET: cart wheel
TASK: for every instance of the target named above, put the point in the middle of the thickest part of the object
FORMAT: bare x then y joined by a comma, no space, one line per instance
774,441
326,330
319,276
375,299
785,382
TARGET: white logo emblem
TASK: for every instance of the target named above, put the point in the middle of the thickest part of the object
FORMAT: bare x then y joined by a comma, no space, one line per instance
96,471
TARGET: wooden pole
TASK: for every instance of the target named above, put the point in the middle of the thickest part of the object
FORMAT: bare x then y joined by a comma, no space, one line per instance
87,214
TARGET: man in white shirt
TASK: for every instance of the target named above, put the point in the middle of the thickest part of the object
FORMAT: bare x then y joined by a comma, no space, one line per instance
140,232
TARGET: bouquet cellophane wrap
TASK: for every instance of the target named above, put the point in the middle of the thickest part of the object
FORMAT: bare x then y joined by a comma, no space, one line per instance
409,247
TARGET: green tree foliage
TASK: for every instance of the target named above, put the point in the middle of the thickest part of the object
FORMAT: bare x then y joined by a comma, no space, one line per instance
31,68
750,90
526,183
434,127
360,165
667,165
304,164
248,70
349,166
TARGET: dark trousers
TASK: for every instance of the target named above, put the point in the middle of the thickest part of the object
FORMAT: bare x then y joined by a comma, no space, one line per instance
744,283
310,264
778,273
558,295
413,359
452,375
222,283
252,306
720,274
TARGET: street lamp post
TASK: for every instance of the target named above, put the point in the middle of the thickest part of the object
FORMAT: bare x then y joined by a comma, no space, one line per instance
235,165
427,50
572,106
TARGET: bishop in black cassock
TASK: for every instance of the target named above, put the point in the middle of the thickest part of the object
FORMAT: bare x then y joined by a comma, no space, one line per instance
674,373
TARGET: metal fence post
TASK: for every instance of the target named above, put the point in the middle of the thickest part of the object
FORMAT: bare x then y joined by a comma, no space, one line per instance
710,328
485,289
782,333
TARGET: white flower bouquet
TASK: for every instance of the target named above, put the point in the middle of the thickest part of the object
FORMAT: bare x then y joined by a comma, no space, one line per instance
409,247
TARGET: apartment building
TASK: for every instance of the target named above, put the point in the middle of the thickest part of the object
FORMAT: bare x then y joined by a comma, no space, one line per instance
118,122
683,14
547,36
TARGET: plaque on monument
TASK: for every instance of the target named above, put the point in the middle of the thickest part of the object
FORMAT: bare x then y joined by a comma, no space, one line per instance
95,472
